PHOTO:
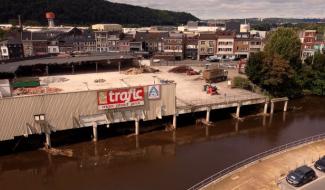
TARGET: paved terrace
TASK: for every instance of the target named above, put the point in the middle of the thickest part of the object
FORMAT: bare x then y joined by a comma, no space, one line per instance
189,89
271,171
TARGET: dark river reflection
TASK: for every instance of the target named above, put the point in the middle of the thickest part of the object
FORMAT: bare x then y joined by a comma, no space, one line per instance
162,160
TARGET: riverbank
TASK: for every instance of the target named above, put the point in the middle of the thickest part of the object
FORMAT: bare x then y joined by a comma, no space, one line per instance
267,173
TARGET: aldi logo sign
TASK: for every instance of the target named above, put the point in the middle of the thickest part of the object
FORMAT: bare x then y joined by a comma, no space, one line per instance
154,92
120,98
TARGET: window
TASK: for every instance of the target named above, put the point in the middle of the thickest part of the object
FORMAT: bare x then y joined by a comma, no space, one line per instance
202,42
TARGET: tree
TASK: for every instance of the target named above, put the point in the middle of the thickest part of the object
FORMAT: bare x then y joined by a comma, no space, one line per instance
275,70
254,67
279,77
285,43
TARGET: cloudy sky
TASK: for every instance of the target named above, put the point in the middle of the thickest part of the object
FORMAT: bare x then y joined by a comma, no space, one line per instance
210,9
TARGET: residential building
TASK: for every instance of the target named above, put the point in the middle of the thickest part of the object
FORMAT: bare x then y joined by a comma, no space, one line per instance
308,39
174,46
107,41
107,27
152,42
206,45
225,44
242,44
191,48
11,48
256,45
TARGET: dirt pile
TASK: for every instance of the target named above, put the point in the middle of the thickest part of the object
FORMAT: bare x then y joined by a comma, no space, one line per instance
181,69
136,71
36,90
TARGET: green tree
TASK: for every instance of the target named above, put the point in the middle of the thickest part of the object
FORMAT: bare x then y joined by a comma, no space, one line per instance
275,70
254,67
285,43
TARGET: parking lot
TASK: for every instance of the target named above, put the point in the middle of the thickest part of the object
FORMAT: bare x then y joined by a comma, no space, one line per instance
284,185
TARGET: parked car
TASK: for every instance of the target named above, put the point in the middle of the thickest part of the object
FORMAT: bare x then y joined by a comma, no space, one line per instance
301,176
320,164
213,59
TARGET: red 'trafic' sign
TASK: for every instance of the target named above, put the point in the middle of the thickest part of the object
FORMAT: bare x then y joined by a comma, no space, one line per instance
120,98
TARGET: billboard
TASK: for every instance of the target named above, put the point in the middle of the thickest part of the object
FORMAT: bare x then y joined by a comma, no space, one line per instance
120,98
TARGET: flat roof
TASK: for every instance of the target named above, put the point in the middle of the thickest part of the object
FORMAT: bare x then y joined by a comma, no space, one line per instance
13,66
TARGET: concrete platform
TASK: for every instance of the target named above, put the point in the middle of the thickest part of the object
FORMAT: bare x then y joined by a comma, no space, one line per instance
189,89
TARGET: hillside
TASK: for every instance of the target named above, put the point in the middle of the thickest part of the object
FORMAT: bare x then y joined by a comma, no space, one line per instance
89,12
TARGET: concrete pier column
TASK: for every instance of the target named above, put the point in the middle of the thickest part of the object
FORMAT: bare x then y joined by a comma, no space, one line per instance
174,121
136,127
48,140
265,108
238,110
208,115
95,134
272,107
72,69
285,106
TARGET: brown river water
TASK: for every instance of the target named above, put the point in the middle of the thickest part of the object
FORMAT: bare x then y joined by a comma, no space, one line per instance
157,159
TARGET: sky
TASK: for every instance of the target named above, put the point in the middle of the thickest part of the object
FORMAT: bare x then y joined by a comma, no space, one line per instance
225,9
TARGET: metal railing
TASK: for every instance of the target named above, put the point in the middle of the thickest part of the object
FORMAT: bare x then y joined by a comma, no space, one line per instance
226,172
221,99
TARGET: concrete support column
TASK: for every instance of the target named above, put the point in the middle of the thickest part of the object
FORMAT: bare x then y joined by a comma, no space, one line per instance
174,121
285,106
72,69
208,115
96,67
265,108
238,110
95,135
272,108
48,140
136,127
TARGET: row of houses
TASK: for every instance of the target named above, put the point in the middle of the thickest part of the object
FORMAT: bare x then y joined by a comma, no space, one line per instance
173,45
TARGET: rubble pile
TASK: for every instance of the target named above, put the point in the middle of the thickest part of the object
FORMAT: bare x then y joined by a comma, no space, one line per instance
181,69
49,80
136,71
36,90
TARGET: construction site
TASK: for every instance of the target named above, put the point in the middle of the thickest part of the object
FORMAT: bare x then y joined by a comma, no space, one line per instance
57,102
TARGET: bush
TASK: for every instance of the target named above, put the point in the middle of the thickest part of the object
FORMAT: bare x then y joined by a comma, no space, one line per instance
241,82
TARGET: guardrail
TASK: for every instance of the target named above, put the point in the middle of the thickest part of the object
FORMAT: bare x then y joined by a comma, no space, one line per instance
226,172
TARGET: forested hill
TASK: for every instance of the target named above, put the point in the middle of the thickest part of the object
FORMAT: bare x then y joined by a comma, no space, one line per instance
89,12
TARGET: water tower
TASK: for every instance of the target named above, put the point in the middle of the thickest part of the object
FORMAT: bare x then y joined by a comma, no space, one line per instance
50,16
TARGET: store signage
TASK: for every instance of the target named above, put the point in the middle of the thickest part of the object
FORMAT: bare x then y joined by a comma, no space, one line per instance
154,92
120,98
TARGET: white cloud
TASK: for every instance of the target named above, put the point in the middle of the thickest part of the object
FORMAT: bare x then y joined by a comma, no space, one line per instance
206,9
